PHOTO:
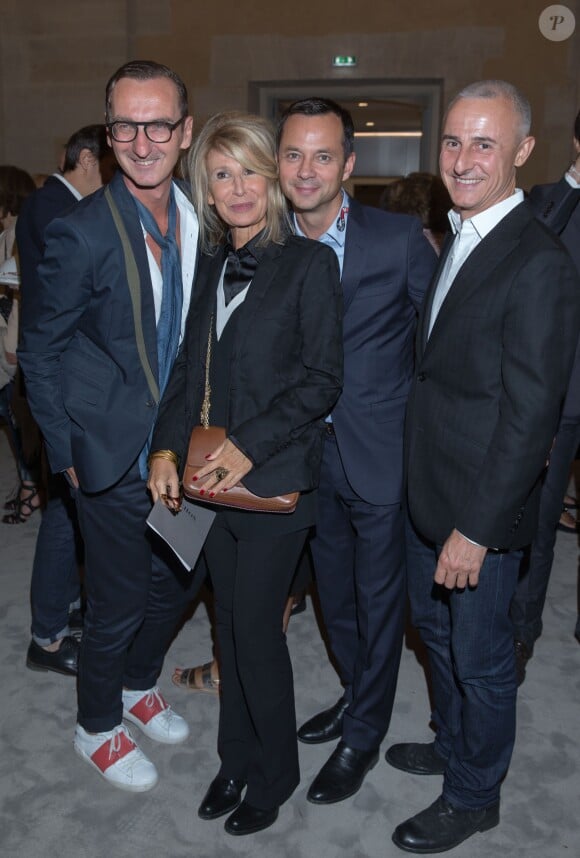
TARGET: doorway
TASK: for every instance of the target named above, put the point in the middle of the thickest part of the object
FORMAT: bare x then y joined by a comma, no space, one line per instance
397,124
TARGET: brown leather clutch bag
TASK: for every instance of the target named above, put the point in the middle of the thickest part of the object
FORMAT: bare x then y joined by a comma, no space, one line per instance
203,441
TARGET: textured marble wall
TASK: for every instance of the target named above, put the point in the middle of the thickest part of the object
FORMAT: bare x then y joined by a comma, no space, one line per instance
55,58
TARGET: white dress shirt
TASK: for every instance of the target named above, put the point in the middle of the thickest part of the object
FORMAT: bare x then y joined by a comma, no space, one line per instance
468,234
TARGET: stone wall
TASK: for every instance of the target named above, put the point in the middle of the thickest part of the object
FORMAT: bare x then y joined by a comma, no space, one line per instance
55,58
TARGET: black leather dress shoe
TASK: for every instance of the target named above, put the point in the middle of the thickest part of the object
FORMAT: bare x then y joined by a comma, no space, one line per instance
222,797
247,819
441,827
523,654
342,775
416,758
324,727
63,660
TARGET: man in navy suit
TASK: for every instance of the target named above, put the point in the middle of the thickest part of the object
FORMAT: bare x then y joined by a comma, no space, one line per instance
98,345
558,207
495,344
358,550
55,584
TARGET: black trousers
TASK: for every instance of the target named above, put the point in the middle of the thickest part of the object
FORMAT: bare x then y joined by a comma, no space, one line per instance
257,724
136,592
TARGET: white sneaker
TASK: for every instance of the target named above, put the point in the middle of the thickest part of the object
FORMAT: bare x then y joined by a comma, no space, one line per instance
117,758
154,716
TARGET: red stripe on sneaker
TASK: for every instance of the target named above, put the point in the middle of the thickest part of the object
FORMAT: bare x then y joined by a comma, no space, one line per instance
145,712
105,756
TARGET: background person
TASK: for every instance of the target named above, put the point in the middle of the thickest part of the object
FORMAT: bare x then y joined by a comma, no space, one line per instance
55,591
15,186
558,207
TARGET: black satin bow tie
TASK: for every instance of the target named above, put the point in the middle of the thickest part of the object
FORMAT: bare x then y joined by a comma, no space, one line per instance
240,268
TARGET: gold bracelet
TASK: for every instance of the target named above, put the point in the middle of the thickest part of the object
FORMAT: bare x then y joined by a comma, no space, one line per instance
163,454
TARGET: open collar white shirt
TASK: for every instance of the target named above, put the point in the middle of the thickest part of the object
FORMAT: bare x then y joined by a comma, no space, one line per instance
468,233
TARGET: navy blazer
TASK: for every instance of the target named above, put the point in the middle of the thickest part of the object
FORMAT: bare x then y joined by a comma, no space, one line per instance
388,264
85,381
286,365
489,385
38,210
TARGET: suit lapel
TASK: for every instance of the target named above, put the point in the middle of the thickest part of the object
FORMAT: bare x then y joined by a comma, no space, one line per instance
128,212
478,268
204,298
425,316
355,252
261,281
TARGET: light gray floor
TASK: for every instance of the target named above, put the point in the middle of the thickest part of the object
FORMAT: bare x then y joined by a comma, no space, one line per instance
52,805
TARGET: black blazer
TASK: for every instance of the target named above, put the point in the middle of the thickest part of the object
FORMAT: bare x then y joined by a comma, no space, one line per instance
489,384
286,369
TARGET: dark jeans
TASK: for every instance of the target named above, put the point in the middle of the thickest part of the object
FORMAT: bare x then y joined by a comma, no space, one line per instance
469,638
528,603
136,592
55,583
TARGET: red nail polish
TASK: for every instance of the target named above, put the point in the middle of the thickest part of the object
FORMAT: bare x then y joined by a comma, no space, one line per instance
212,494
208,455
195,479
202,491
224,490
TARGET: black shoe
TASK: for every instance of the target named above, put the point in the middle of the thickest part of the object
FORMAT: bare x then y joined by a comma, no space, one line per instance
75,622
247,819
441,827
324,727
416,758
63,660
299,606
222,797
523,655
342,774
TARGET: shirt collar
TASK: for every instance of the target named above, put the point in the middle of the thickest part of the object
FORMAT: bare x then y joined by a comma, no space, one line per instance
485,221
76,194
336,235
252,247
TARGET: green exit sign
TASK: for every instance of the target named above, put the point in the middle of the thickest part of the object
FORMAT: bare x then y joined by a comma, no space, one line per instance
344,61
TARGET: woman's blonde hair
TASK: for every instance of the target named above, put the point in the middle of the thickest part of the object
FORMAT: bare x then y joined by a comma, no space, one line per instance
249,139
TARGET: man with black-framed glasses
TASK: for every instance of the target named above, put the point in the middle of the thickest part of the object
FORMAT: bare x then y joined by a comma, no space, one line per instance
97,349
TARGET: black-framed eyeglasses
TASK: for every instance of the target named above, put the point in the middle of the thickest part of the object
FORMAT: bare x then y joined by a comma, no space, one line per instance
157,131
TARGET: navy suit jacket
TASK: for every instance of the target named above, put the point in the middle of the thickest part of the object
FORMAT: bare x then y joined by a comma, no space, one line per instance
388,264
38,210
558,207
489,385
84,378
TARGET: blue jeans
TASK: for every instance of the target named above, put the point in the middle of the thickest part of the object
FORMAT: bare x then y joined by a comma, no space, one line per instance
469,637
